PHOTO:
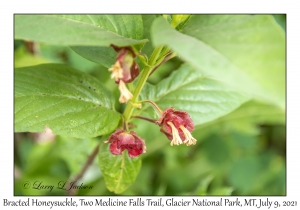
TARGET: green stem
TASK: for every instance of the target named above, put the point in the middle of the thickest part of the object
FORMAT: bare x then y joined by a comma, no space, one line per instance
144,76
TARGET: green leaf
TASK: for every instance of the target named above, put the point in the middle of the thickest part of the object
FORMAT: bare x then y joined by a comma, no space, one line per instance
74,152
83,30
119,171
105,56
205,99
68,101
147,22
246,52
246,118
64,54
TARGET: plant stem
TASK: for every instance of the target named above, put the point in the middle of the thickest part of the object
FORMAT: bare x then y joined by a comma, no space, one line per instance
144,76
144,118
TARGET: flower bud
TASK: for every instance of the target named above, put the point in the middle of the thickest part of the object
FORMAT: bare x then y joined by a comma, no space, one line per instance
121,140
177,125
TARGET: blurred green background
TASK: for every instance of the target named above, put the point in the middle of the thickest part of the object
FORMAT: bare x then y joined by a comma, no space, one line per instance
242,153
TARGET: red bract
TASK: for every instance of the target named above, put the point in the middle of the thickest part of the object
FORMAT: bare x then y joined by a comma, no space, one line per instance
177,126
125,70
121,140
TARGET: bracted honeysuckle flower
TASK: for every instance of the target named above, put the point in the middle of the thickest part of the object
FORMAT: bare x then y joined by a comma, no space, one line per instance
125,93
125,70
177,126
122,140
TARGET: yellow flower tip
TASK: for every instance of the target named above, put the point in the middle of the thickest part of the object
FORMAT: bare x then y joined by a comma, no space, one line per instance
126,95
176,138
189,139
117,71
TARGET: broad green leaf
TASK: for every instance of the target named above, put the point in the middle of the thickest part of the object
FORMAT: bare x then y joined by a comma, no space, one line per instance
246,52
147,22
205,99
119,171
68,101
64,54
105,56
246,118
82,30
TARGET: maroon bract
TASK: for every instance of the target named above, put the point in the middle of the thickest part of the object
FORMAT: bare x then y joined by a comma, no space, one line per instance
121,140
125,70
177,125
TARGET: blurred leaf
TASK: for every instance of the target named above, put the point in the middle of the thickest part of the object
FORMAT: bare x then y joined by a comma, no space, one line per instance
246,118
147,22
43,167
68,101
22,58
74,152
243,51
222,191
161,189
187,89
18,43
104,56
143,185
216,150
179,21
86,30
244,173
64,54
203,185
119,171
281,20
164,71
244,141
24,146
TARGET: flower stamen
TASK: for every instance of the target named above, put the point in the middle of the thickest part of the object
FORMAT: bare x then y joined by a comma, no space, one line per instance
176,138
189,139
117,71
126,95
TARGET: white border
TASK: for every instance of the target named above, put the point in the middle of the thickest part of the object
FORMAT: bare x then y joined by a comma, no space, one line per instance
8,8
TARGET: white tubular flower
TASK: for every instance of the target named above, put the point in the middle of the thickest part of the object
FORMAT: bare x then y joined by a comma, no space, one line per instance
126,95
